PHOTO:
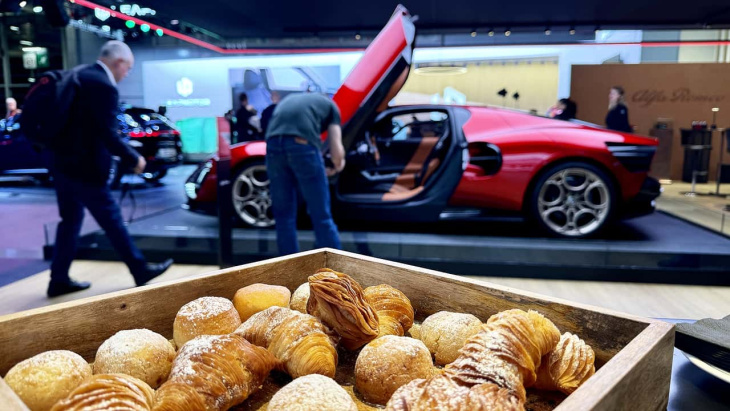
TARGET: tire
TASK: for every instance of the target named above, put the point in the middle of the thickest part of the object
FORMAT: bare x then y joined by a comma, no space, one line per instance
154,176
573,200
251,196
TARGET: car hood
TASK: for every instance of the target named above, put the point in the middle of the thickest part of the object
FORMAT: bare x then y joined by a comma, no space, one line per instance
378,75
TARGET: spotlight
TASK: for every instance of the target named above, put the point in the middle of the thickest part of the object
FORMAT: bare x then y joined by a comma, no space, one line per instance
31,79
26,43
491,33
175,22
14,28
22,4
357,36
507,33
38,9
548,31
474,33
572,31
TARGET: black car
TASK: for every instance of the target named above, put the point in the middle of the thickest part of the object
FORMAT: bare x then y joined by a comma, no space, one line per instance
150,133
154,137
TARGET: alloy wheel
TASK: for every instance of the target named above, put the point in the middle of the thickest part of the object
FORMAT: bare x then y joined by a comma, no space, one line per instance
574,202
251,197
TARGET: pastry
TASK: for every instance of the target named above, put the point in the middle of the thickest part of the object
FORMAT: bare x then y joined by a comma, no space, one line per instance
567,366
442,394
444,333
142,353
414,331
109,392
338,301
299,341
393,309
42,380
299,298
222,370
506,351
312,392
257,297
205,316
389,362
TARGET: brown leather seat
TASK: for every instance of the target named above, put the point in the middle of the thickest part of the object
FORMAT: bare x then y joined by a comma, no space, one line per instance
405,184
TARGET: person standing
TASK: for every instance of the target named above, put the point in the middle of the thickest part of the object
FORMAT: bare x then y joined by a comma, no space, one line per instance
618,114
248,127
11,108
268,111
295,165
81,170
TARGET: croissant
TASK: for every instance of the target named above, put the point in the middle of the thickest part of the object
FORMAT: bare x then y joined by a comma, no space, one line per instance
441,393
299,341
506,351
338,301
109,391
223,371
567,366
393,309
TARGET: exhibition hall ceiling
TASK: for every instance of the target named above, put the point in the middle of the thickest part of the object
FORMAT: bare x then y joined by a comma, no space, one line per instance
233,19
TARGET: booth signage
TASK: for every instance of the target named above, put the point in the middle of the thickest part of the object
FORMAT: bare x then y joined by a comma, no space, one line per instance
647,97
135,10
35,58
99,31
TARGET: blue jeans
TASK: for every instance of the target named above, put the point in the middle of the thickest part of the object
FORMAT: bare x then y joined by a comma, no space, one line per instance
72,196
294,166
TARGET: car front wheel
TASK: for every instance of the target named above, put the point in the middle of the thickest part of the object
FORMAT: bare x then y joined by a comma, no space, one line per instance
251,196
573,200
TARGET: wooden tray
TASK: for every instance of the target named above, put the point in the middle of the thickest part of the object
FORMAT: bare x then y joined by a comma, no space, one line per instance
633,354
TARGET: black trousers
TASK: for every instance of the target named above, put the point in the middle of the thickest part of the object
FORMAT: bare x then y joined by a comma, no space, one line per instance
73,196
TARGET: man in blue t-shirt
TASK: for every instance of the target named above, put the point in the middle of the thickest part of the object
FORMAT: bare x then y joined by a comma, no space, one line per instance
294,164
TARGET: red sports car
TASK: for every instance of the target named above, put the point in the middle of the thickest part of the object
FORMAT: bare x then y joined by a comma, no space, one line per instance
436,162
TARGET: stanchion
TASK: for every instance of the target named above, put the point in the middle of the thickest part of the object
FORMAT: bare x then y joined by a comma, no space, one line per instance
225,196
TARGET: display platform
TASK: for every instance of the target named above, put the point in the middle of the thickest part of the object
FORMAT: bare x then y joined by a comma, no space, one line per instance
656,248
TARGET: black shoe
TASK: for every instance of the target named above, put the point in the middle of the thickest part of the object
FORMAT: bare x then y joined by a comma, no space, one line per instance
152,270
56,288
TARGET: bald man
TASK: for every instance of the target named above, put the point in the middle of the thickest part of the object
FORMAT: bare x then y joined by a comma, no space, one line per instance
81,170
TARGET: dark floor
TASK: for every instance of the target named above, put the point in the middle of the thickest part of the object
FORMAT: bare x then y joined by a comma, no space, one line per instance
29,215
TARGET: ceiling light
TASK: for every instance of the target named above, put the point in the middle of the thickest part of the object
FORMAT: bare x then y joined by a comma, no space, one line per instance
507,32
474,33
440,70
26,43
113,7
22,4
572,31
31,79
106,28
14,28
175,22
548,31
490,33
357,36
38,9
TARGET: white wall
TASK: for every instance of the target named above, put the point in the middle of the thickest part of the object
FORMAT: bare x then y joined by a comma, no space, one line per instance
211,80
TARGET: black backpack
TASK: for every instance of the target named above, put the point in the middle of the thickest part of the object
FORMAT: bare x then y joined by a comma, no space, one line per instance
47,105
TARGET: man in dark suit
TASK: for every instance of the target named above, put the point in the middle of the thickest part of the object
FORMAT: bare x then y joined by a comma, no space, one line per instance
82,161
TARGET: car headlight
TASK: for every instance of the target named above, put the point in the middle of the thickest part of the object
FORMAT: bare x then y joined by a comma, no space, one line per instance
635,158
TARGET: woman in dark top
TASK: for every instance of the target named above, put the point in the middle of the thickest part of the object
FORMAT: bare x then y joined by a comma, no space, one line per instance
618,115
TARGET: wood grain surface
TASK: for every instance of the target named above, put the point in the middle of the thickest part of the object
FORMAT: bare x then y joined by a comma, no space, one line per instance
633,354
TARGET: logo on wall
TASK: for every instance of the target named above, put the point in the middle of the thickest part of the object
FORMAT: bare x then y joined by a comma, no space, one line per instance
184,87
647,97
102,15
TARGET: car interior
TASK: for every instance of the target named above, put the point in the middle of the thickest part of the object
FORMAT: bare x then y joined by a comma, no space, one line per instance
396,158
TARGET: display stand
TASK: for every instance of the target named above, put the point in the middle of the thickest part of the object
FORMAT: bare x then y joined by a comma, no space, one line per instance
697,144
